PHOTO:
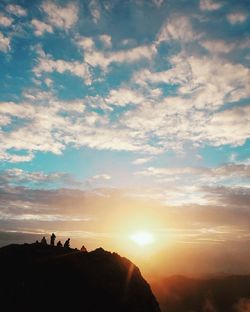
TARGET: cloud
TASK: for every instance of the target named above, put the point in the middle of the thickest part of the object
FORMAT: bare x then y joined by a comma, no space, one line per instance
41,27
48,65
86,43
19,177
48,82
222,172
16,10
4,43
46,124
61,16
103,176
229,196
106,40
5,21
212,81
123,96
177,28
158,3
14,158
95,10
236,18
210,5
103,59
225,127
218,46
141,161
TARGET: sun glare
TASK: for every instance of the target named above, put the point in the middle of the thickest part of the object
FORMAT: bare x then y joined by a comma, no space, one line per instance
142,238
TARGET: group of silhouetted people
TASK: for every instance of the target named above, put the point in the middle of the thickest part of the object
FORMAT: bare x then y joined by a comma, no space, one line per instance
59,243
52,241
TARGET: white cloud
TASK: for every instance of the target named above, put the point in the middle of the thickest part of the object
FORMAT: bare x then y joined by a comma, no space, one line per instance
61,16
103,176
221,172
41,27
141,161
5,21
123,96
210,81
104,59
15,158
86,43
235,18
4,43
47,65
106,41
48,82
177,28
218,46
48,125
225,127
206,84
210,5
16,10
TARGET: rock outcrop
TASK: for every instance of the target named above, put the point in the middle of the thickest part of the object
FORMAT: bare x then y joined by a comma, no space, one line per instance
47,278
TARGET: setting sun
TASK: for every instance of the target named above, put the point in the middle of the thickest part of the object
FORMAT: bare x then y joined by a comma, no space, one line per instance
142,238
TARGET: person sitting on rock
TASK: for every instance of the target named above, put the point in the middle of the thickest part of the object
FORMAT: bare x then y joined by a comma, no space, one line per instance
59,244
67,243
83,249
52,239
43,241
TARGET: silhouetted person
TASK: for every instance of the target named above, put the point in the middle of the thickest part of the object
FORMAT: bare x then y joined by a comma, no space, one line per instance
67,244
59,244
83,249
52,239
43,241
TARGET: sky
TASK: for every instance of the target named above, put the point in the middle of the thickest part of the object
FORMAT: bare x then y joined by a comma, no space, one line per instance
119,117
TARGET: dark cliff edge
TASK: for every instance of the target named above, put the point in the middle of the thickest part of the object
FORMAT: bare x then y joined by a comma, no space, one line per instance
36,277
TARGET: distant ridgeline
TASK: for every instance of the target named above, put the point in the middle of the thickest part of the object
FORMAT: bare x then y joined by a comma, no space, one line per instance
35,277
215,294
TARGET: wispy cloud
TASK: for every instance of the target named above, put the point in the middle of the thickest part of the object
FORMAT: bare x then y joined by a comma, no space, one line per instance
4,43
235,18
16,10
210,5
40,27
5,21
61,16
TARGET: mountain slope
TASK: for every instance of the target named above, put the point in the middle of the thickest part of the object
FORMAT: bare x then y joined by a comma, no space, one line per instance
46,278
217,294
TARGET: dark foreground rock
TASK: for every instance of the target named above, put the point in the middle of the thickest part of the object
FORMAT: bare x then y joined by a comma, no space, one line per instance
46,278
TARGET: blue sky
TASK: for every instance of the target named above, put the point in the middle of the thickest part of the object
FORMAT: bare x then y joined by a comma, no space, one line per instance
148,98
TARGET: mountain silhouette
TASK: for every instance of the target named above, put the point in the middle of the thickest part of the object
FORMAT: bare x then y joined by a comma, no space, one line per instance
47,278
218,294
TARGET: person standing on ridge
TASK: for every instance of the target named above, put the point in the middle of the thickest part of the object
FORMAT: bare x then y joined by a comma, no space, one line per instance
52,239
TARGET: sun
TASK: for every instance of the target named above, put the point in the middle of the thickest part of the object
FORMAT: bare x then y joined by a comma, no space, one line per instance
142,238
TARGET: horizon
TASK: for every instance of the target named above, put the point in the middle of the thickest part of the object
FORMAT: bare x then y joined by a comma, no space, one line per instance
126,125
